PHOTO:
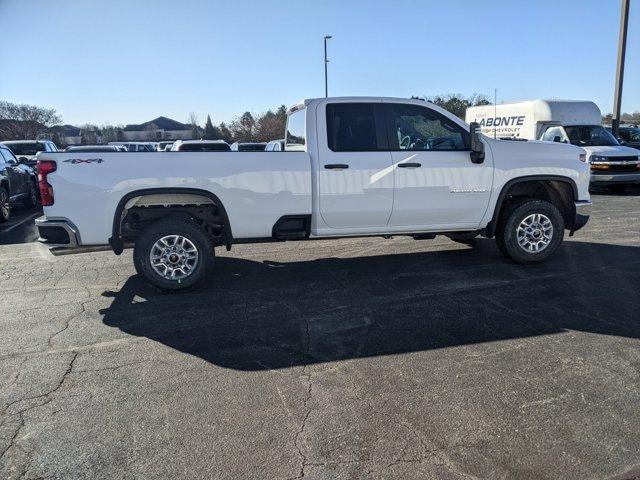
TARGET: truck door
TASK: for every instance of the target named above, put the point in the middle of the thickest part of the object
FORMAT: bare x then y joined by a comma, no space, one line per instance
436,184
355,169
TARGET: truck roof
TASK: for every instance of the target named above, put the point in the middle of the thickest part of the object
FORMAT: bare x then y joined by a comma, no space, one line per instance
414,101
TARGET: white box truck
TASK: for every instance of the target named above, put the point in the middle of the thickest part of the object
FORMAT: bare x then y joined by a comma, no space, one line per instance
564,121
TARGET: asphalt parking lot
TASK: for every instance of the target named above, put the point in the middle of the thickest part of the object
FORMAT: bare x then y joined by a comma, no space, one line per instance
362,358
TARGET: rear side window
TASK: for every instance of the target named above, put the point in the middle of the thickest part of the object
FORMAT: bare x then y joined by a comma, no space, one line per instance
351,127
7,155
295,136
26,148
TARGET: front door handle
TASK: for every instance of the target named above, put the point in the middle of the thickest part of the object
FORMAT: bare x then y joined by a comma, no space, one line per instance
336,166
409,165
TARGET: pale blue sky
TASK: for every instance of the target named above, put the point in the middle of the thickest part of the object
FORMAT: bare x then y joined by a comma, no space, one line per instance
129,61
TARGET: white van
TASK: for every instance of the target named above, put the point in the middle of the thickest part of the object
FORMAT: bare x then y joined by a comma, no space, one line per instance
564,121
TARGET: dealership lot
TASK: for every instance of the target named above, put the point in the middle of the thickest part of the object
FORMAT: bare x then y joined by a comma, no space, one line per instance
357,358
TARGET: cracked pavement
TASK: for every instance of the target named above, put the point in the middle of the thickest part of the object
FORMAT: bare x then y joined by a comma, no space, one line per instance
348,359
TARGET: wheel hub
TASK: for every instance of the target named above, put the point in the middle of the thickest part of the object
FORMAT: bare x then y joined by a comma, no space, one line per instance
174,257
534,233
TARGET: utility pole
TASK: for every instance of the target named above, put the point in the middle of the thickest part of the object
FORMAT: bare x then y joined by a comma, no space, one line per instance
622,47
326,61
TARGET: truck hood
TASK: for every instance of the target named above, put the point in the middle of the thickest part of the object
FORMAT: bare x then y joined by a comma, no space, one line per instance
612,151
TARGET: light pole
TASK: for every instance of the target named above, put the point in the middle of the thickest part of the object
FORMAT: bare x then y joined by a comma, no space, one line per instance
622,46
326,61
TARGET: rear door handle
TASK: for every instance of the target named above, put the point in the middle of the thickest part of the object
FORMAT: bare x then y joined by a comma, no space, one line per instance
409,165
336,166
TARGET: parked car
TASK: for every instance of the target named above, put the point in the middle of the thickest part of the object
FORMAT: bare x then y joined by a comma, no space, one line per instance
18,182
563,121
200,146
275,146
629,135
162,146
26,150
136,146
248,147
93,148
351,166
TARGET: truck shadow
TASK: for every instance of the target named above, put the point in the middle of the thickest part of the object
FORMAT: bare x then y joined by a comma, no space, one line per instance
253,315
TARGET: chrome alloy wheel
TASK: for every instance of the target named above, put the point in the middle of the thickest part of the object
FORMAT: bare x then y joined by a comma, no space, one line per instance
174,257
5,207
535,233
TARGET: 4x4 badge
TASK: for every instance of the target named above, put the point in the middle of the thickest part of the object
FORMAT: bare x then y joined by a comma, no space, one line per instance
83,160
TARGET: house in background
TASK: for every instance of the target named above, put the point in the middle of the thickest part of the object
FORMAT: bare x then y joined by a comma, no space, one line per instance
68,135
161,128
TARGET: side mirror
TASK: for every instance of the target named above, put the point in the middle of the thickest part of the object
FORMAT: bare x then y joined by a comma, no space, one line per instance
477,146
557,139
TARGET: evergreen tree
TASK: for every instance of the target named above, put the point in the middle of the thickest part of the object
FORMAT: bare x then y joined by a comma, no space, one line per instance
210,131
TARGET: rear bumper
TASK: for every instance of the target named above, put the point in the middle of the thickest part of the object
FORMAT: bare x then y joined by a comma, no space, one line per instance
583,212
57,232
613,178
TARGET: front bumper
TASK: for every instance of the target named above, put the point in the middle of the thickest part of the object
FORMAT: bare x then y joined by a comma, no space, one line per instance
598,178
583,212
57,232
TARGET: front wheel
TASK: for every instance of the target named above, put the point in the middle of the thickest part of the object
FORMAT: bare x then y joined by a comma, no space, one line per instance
530,231
173,254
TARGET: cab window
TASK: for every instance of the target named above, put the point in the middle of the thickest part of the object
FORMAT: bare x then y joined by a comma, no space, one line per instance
416,128
354,127
8,156
295,135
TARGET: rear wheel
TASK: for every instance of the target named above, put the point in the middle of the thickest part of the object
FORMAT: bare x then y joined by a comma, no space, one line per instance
173,254
530,231
32,199
5,205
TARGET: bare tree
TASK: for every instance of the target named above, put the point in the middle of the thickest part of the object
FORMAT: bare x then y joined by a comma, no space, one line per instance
195,129
25,122
150,131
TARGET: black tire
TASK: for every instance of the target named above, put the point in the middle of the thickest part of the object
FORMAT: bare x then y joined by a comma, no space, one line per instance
5,205
512,218
168,227
463,237
32,199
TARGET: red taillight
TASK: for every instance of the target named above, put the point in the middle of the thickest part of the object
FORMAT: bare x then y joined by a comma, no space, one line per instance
45,167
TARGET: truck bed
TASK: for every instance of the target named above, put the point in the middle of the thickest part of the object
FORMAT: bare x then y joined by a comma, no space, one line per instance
256,188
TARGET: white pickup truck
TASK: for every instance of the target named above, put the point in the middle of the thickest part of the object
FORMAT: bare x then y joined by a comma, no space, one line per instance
353,166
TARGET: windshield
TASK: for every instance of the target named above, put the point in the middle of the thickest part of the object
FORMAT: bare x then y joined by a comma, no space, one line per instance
25,148
631,134
590,136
